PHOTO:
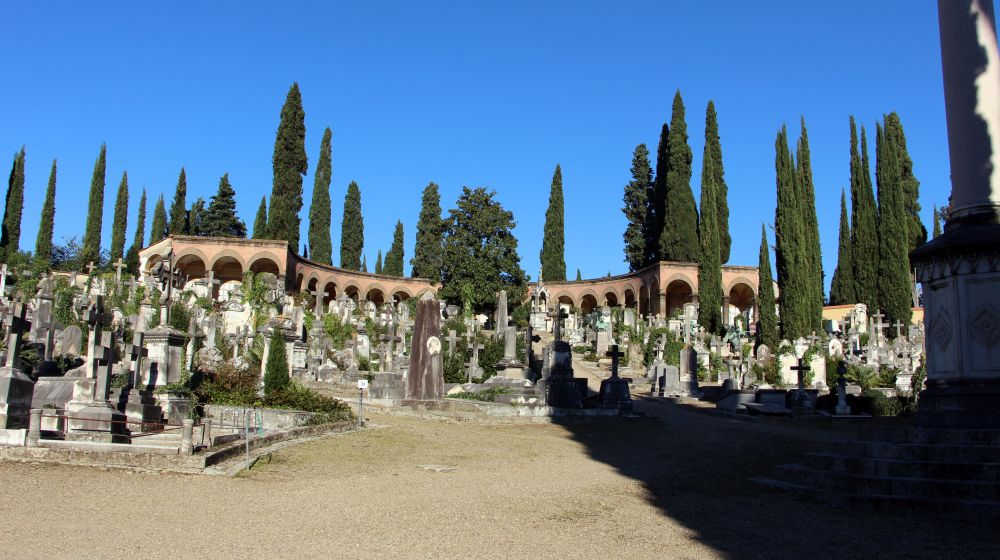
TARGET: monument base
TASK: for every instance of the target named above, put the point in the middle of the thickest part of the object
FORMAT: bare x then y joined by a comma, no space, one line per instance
97,422
16,391
562,393
615,395
960,404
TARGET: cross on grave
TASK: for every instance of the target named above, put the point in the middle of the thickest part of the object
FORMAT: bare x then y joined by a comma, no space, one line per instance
90,268
470,329
3,280
212,283
614,354
390,339
213,326
813,339
717,346
529,339
473,365
104,365
879,325
16,327
451,338
801,368
119,265
382,350
95,318
136,351
319,301
899,329
557,316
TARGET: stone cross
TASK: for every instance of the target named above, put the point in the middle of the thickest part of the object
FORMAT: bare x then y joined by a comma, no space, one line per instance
529,339
878,325
660,344
801,368
473,365
96,318
557,316
382,350
119,265
15,330
90,268
614,354
213,325
136,351
3,280
813,339
390,338
451,338
899,329
717,345
212,283
104,365
318,295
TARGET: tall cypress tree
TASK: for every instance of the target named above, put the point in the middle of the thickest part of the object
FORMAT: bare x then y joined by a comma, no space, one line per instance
578,275
352,229
842,287
428,251
679,238
709,265
220,219
10,236
290,164
196,218
91,250
132,256
636,209
276,377
553,238
810,244
713,145
121,219
260,220
319,209
767,327
364,263
179,219
656,199
864,236
393,264
915,231
378,263
43,243
937,222
894,268
789,249
158,229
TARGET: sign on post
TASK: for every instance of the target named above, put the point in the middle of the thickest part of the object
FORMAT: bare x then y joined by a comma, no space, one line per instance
362,385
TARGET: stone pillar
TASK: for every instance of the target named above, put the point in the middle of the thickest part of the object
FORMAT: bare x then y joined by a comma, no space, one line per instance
34,428
661,303
187,429
960,269
725,310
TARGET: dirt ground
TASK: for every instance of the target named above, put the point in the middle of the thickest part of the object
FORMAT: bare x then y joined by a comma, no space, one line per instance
672,485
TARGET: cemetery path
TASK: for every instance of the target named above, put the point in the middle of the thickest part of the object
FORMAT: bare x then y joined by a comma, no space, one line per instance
673,485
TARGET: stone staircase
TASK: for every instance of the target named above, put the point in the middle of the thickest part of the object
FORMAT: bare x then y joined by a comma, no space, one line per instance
953,471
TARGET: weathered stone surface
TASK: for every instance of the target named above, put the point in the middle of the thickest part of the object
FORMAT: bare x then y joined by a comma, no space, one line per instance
426,375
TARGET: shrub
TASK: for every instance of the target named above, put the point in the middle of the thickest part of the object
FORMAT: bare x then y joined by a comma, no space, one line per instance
338,331
877,404
276,370
887,377
486,395
582,349
454,367
296,397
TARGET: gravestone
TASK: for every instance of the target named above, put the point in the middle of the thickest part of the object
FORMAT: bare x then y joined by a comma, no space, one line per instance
501,315
689,370
614,393
426,373
140,407
560,387
16,389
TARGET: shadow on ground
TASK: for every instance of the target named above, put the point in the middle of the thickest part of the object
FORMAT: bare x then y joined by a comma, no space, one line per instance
696,468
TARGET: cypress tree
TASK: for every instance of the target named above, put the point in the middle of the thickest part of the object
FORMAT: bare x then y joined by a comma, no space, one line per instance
915,231
810,244
319,209
43,243
864,236
91,250
842,287
636,208
767,327
179,219
709,265
290,164
789,249
352,229
578,276
393,264
553,239
428,251
364,263
679,238
196,218
894,268
937,222
713,145
10,236
656,199
121,219
305,251
260,220
378,263
132,257
158,229
276,376
220,219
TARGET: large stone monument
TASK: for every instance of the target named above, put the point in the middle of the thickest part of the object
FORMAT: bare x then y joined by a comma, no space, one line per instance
16,389
426,374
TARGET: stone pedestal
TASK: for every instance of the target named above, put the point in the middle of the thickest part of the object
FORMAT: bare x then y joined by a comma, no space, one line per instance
561,389
142,411
164,363
615,394
16,390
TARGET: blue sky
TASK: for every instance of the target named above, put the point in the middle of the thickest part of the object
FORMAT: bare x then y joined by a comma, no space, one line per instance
462,94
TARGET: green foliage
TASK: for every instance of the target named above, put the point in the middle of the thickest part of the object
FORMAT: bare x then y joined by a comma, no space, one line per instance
887,377
393,264
338,331
180,317
582,349
378,262
791,242
813,274
132,256
158,229
260,220
43,242
894,286
429,249
91,251
196,217
486,395
454,367
916,233
881,405
656,200
290,164
842,288
709,265
679,238
714,147
864,235
220,219
937,222
769,372
352,230
319,208
481,251
10,230
178,208
671,348
767,327
296,397
553,237
276,369
120,220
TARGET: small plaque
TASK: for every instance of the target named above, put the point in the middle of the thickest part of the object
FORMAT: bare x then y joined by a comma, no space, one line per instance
362,383
433,346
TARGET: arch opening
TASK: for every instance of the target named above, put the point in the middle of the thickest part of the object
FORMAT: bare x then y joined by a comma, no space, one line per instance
679,292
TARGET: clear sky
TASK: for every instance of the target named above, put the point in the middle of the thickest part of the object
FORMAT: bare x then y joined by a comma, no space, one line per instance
463,94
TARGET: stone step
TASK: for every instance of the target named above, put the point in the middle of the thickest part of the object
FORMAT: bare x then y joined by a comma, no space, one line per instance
945,470
861,485
918,451
953,437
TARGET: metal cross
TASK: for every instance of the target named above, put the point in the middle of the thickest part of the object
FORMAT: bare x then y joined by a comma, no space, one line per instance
614,354
801,368
104,364
17,326
136,351
528,340
557,318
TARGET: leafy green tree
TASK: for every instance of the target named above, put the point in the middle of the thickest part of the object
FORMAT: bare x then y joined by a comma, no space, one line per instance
636,209
393,264
790,241
352,229
179,219
679,238
811,246
657,199
480,252
937,222
713,145
319,209
121,220
767,327
43,243
290,164
864,236
915,230
894,268
276,368
10,237
91,250
709,265
196,217
378,263
553,239
429,248
842,287
260,220
220,219
132,256
158,229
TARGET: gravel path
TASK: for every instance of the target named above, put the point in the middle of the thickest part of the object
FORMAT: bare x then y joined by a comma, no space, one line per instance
670,486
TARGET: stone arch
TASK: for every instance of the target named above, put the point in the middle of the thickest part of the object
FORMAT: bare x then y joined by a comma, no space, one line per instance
353,291
299,279
330,289
376,294
741,297
679,291
312,282
265,262
644,308
629,296
191,264
153,261
566,298
227,254
227,268
588,302
741,279
403,292
611,297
